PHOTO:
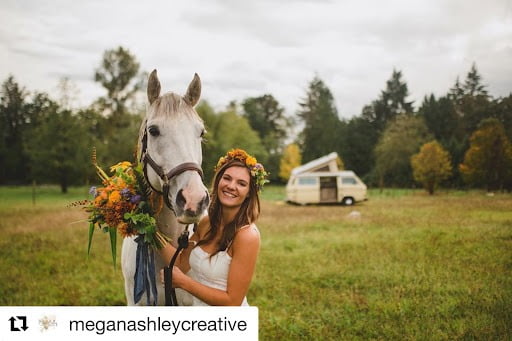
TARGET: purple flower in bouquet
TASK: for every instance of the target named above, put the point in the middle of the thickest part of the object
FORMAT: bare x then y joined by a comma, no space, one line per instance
93,191
135,199
125,192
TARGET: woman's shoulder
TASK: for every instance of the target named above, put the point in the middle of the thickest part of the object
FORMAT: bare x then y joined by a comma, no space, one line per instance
248,233
247,240
249,227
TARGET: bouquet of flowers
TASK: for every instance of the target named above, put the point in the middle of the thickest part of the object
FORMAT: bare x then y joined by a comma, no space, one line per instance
122,205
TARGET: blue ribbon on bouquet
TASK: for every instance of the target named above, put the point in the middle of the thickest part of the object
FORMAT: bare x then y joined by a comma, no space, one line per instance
145,276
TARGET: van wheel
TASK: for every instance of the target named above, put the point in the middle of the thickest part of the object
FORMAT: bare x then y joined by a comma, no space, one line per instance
348,201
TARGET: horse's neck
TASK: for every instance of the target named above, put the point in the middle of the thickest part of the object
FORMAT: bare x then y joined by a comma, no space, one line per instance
168,224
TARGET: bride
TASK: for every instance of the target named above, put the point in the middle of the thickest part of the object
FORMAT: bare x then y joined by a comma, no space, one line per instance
218,267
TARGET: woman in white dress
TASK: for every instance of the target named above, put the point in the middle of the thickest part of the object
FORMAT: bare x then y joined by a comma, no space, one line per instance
218,267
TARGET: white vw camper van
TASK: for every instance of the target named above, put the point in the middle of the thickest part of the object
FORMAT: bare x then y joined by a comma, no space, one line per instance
320,181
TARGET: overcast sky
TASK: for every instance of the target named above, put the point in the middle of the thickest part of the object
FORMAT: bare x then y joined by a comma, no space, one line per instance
248,48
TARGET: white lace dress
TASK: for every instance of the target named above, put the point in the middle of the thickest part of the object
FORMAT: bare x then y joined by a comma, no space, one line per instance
211,272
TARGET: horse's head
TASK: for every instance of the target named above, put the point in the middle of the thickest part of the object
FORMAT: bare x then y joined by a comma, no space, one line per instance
170,149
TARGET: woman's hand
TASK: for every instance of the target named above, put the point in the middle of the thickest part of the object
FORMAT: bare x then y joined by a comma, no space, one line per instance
178,277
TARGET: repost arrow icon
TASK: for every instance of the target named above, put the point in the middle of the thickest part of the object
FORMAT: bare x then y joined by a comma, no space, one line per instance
23,319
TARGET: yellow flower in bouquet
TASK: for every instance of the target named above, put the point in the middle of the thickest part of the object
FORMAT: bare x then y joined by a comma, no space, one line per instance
121,166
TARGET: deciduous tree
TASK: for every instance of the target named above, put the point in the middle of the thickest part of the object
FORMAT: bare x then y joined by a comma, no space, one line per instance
58,148
431,165
291,159
488,161
211,148
68,93
266,117
401,139
118,73
227,130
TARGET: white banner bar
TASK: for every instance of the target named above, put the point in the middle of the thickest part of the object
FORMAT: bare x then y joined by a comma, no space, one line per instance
128,323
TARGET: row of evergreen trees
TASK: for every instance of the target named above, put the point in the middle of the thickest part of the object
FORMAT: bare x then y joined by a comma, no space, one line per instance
46,140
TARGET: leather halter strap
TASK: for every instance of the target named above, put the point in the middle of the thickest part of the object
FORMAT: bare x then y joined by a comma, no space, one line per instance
166,177
187,166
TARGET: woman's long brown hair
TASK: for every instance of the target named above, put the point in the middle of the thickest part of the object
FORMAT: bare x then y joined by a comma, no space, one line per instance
247,214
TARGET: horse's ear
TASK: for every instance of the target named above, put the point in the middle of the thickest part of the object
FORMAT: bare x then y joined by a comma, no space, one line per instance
153,87
193,91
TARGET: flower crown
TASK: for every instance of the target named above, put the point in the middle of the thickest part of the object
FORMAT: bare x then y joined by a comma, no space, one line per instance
257,170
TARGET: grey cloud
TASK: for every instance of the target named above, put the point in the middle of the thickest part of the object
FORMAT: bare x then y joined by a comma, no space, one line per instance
249,19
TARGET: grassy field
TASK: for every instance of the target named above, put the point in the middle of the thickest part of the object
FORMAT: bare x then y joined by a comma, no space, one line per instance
409,266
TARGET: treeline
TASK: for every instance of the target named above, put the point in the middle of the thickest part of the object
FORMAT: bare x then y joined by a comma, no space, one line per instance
46,140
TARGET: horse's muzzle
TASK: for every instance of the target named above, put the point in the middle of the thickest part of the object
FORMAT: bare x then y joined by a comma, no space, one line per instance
188,212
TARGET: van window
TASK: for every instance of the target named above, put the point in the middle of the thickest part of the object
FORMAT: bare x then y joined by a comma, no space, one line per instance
348,181
307,181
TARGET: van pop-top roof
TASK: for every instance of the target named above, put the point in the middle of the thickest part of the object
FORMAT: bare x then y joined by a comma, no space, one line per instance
326,163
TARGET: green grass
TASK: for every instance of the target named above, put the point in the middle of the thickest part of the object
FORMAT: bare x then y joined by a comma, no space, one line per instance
45,195
273,193
412,266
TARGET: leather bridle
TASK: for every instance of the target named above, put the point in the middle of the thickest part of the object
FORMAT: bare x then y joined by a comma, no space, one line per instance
146,160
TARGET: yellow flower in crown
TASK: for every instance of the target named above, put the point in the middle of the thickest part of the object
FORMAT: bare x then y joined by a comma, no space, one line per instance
238,154
257,170
250,161
221,161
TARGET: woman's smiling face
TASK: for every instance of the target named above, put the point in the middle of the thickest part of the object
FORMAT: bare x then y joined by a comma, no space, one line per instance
234,186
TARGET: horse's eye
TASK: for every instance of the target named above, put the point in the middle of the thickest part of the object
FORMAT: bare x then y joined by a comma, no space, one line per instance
154,131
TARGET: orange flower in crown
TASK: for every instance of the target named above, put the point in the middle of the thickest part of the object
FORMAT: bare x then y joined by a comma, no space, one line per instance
257,170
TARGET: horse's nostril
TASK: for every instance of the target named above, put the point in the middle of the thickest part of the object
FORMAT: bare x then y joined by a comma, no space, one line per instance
180,199
191,213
